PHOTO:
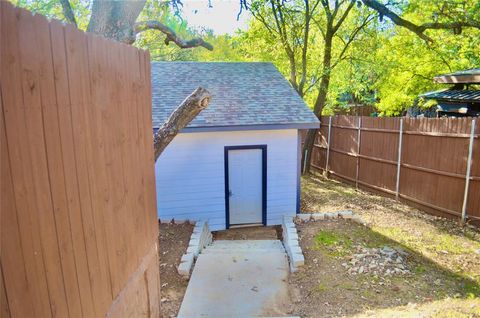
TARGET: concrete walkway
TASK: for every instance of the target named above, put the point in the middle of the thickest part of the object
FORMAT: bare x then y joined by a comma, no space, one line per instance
244,278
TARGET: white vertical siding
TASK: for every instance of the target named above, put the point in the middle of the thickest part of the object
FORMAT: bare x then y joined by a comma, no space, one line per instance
190,175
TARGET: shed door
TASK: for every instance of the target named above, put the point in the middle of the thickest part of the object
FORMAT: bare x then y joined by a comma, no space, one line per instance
245,186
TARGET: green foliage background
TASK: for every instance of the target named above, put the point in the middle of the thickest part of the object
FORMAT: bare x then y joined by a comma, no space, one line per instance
387,66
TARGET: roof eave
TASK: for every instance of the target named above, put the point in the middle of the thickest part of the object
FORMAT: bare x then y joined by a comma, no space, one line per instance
461,79
251,127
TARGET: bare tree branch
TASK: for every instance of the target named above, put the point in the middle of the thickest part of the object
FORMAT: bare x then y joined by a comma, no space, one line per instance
449,25
306,34
326,7
343,17
417,29
282,31
351,38
171,35
383,10
68,12
261,18
185,112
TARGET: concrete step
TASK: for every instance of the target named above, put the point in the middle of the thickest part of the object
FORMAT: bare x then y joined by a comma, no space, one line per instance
251,253
244,244
240,248
252,248
246,248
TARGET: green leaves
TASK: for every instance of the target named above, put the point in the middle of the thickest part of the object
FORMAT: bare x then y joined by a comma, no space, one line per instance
376,63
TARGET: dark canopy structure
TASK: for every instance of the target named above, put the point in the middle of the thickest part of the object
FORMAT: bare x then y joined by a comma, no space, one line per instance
462,99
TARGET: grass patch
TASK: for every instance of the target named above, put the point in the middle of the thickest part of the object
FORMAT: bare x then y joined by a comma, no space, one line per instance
420,269
472,290
430,241
347,285
334,244
445,242
327,238
322,287
369,238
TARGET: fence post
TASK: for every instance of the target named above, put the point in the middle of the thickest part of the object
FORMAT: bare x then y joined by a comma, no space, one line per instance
358,149
467,174
305,154
399,159
328,144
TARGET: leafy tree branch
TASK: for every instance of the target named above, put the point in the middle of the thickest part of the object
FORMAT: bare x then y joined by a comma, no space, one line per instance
419,30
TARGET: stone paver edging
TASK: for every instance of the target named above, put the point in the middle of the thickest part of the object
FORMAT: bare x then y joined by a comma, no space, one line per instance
290,242
290,235
201,237
347,214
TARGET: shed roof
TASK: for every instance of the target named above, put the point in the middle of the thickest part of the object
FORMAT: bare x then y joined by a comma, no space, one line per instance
466,76
244,96
455,95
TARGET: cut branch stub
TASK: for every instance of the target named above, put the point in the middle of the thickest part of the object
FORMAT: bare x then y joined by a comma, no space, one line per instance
180,118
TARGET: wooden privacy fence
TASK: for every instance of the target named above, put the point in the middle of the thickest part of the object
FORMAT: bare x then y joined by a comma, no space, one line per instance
433,163
78,212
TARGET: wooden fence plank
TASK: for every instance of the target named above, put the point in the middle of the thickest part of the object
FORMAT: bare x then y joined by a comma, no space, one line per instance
143,221
11,246
105,94
473,206
126,98
12,98
150,164
4,308
142,115
79,93
95,167
117,135
55,165
40,179
136,186
69,161
99,90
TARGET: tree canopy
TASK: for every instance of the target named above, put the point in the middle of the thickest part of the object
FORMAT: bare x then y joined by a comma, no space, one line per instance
373,60
381,53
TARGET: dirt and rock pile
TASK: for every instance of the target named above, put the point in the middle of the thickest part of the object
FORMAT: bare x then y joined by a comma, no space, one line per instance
383,261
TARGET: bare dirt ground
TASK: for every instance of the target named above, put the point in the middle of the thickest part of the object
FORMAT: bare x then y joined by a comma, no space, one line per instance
443,262
174,240
250,233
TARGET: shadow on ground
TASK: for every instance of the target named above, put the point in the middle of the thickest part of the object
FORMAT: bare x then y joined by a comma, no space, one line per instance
324,288
444,258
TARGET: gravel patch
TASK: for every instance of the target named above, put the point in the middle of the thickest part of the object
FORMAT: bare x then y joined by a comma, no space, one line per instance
383,261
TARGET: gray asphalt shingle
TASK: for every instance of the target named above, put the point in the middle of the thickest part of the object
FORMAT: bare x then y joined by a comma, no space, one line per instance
243,94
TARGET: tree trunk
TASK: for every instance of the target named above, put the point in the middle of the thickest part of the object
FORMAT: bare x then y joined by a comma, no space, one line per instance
180,118
115,19
319,102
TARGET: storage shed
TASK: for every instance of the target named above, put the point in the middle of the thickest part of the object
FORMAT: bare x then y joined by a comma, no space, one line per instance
238,162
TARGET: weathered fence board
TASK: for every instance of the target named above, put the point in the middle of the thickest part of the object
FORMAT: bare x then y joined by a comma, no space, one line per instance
78,218
427,168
